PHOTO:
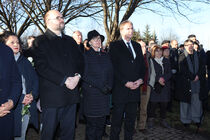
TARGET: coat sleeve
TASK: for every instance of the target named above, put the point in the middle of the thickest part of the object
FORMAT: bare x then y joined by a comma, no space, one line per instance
43,67
167,70
184,70
35,81
110,74
142,63
114,54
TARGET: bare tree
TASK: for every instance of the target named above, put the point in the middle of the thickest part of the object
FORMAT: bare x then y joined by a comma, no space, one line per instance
71,9
12,17
116,11
168,34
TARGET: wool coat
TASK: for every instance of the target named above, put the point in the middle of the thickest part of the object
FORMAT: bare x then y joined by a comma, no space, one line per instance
57,58
99,73
126,68
184,78
31,82
164,95
10,88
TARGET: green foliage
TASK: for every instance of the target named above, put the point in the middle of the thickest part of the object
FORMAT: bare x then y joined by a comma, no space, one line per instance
154,36
147,36
136,35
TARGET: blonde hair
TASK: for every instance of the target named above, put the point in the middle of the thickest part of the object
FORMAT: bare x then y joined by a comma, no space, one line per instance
154,49
122,24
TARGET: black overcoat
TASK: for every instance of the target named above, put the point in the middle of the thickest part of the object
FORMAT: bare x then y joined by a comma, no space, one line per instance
57,58
126,68
184,78
99,74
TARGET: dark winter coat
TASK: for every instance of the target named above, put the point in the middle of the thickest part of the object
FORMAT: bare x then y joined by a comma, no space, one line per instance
174,58
184,78
31,80
57,58
164,95
126,68
10,88
98,75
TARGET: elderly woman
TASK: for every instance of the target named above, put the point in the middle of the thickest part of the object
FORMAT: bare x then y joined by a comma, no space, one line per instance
191,86
97,83
23,116
160,94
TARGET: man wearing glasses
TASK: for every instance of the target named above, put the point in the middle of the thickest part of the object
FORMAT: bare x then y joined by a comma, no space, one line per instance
60,66
191,89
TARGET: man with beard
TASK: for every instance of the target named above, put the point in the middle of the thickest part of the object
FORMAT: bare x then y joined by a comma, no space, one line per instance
60,65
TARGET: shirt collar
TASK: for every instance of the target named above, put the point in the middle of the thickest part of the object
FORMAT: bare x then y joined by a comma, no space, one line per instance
17,56
126,42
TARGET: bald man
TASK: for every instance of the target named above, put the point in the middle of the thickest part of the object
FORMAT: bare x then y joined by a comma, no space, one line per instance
77,36
60,65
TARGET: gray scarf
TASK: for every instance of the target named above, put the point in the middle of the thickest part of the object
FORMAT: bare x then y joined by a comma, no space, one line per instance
195,86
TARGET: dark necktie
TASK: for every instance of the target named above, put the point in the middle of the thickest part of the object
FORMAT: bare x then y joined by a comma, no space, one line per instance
129,48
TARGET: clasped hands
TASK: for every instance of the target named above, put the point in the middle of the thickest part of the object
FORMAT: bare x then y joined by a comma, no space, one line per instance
134,85
5,108
161,81
27,99
71,82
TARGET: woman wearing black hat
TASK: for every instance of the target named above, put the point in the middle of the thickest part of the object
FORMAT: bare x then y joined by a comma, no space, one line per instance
96,86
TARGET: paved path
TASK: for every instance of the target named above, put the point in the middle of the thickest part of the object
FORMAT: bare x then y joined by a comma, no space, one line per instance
156,133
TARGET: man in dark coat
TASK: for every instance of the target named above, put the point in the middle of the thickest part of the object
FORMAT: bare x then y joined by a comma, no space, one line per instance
59,65
191,85
129,71
77,36
10,91
174,68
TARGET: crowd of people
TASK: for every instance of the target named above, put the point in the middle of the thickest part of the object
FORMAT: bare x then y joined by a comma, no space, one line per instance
71,77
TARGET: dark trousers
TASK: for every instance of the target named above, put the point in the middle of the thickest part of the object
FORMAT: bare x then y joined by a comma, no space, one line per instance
126,111
95,127
52,117
7,127
153,107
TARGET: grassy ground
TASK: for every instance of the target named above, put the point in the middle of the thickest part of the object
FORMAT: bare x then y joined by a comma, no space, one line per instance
174,120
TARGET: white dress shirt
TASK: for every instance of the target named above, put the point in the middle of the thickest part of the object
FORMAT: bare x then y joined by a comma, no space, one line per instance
133,51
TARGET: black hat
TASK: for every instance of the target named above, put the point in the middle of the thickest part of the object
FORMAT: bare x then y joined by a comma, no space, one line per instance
93,34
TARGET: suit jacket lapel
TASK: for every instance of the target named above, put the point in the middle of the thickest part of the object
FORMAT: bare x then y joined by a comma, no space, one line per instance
125,49
135,48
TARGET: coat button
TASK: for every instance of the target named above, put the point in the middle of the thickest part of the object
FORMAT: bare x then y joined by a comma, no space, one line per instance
90,86
0,89
131,61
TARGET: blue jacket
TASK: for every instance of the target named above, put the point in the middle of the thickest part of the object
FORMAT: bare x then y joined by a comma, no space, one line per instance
10,88
31,80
